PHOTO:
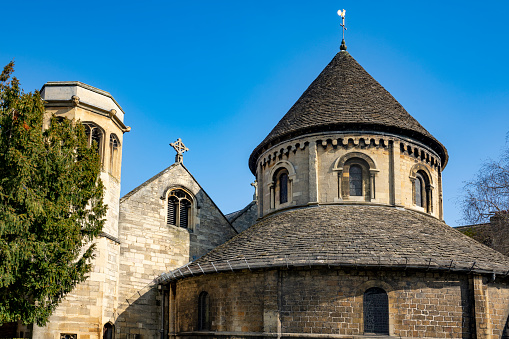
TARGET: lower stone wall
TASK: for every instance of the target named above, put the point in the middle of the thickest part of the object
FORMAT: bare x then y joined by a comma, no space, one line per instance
323,301
91,304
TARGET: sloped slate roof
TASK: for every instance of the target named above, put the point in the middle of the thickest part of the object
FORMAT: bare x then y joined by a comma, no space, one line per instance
350,235
345,97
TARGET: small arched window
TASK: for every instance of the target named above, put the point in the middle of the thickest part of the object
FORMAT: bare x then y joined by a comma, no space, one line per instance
114,153
355,179
203,311
179,208
419,185
422,191
280,191
95,137
283,187
376,311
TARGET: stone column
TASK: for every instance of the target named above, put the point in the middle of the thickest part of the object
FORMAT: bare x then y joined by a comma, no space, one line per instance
394,173
271,303
313,173
481,308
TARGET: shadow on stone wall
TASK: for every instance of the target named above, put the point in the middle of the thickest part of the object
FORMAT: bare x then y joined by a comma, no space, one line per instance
141,319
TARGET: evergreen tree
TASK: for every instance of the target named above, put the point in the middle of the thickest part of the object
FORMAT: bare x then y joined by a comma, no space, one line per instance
51,205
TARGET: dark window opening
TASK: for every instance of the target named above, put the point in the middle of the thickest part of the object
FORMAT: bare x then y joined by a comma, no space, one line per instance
203,311
179,209
68,336
185,206
376,311
418,190
108,331
355,178
283,188
422,191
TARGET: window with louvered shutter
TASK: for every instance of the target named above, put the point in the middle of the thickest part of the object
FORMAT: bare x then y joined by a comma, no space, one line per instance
184,213
179,208
172,211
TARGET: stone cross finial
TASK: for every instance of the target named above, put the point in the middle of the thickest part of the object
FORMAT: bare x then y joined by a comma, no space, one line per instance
180,148
342,15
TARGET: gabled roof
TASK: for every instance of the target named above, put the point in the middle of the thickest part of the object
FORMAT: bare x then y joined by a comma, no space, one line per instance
350,235
345,97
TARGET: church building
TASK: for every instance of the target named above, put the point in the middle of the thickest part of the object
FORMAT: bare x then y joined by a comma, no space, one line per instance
344,237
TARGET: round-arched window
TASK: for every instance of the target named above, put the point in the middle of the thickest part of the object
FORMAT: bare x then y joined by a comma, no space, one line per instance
376,311
419,185
203,311
355,179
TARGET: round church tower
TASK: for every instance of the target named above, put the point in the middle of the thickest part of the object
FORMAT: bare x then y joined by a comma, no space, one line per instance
348,141
350,239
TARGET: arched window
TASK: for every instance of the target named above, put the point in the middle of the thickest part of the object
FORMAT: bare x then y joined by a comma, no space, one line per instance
95,137
419,185
280,192
376,311
108,331
179,208
283,187
114,151
355,178
203,311
422,191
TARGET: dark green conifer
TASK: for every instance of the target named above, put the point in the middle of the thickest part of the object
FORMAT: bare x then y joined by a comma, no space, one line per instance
51,205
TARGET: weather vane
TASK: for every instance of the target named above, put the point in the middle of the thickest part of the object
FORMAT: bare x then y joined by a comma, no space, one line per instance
180,148
342,15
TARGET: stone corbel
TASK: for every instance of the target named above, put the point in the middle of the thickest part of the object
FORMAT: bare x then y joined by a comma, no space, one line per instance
75,100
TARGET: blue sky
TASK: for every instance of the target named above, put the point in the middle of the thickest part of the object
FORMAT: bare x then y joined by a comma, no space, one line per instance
220,74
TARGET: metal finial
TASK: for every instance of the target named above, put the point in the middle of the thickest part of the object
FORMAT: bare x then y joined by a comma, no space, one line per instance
342,15
180,148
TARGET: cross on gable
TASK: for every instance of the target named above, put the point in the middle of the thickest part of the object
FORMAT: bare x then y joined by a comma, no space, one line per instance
180,148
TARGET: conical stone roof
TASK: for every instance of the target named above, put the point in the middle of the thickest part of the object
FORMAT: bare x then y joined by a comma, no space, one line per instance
345,97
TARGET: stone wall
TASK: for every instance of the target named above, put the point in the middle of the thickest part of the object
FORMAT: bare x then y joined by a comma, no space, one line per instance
245,218
330,302
149,246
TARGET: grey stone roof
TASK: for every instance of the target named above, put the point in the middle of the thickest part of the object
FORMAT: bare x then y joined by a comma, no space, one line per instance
234,215
350,235
345,97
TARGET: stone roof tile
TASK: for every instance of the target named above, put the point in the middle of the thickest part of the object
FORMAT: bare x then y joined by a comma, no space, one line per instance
351,235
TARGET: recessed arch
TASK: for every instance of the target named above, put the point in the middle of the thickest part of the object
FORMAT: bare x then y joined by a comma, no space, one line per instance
422,188
281,178
420,167
356,176
340,162
285,164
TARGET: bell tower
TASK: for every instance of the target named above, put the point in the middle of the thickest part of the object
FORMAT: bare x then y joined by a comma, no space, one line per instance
92,301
